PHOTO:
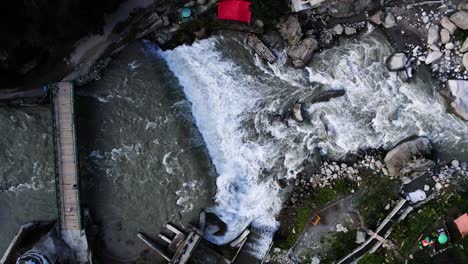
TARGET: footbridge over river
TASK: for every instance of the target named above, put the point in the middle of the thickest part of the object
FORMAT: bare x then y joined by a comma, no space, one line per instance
66,170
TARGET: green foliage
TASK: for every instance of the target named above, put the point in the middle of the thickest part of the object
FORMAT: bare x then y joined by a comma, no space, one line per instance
339,245
372,258
461,35
269,10
380,191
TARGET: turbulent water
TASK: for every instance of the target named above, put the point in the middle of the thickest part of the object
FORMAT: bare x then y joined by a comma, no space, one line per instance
236,100
150,128
27,189
143,160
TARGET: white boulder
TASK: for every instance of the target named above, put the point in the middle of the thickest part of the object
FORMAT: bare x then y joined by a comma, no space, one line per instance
444,35
464,47
456,92
460,19
433,56
396,61
433,34
447,24
338,29
349,31
390,20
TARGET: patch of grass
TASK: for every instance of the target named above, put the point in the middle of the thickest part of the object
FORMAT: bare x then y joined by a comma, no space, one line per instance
380,191
372,258
339,245
319,198
461,35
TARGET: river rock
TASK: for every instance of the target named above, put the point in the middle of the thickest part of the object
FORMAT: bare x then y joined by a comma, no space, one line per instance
433,56
455,163
377,18
338,29
390,20
465,60
456,94
396,61
298,112
403,153
290,30
463,6
438,186
301,53
349,31
326,39
447,24
360,237
444,35
460,19
260,48
433,34
464,47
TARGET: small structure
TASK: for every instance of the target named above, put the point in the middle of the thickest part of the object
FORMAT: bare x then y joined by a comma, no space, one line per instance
299,5
235,10
462,224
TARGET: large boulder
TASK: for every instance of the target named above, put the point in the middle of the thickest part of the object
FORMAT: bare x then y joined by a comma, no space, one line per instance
456,94
401,155
446,23
260,48
290,30
396,61
460,19
301,53
433,35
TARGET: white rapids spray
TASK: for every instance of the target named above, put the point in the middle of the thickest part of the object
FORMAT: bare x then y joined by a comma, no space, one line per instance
235,102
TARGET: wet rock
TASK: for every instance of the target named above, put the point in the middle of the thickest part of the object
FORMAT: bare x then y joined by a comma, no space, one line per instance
338,29
396,61
402,154
460,19
438,186
377,18
455,163
433,56
405,74
444,35
447,24
301,53
456,93
290,30
464,47
465,60
200,34
326,39
260,48
390,20
433,34
349,31
298,112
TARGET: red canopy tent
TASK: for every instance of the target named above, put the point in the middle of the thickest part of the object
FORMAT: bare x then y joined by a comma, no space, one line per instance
237,10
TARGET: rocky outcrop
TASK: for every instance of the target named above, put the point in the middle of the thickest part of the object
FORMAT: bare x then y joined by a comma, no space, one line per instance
398,159
290,30
460,19
456,94
261,49
301,53
348,8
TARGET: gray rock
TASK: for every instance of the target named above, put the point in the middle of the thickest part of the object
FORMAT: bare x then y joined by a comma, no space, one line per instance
455,163
426,187
338,29
377,18
439,186
464,47
301,53
463,6
360,237
447,24
433,56
433,34
402,154
449,46
349,31
298,112
444,35
460,19
326,39
260,48
456,94
290,30
396,61
390,20
465,60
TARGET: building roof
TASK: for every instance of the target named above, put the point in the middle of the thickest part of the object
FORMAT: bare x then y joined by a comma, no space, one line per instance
462,224
237,10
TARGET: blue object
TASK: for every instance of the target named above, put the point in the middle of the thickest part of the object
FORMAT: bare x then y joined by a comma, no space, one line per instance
186,12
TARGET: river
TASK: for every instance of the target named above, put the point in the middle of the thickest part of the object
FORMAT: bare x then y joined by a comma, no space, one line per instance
162,130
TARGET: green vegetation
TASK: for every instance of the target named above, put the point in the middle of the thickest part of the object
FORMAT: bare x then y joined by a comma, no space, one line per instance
461,35
380,191
339,245
372,258
269,11
407,232
319,197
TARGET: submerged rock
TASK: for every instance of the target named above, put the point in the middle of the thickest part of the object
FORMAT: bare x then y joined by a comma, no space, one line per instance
460,19
301,53
297,112
261,49
456,94
377,18
402,154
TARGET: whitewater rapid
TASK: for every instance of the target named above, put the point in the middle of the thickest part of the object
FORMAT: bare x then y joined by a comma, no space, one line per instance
236,100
